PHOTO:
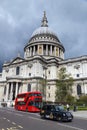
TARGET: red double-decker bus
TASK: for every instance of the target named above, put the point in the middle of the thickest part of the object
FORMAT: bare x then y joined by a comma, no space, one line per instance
30,101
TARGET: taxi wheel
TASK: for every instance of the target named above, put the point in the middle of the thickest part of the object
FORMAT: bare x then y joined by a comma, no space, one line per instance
59,118
51,116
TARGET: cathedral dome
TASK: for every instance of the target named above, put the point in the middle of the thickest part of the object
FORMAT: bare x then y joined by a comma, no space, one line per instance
44,42
43,30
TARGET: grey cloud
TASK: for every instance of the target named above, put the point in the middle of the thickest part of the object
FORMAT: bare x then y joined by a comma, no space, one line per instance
19,18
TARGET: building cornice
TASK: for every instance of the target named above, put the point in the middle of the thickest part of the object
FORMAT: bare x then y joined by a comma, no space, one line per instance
73,60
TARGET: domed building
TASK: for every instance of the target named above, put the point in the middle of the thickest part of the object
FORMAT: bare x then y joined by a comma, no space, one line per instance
44,42
38,70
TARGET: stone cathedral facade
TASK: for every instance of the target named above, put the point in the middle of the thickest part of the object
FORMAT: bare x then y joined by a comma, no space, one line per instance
43,57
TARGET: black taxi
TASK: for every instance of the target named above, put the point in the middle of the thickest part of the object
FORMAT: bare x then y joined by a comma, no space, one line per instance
56,112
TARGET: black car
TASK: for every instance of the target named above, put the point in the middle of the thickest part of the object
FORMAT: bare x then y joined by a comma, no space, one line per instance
56,112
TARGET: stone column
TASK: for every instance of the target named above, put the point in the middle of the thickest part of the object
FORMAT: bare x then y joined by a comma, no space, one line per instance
16,92
11,94
33,50
46,49
42,49
7,88
58,51
30,51
20,91
55,51
37,49
51,50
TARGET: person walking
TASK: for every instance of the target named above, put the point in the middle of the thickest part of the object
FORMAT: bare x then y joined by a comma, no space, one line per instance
67,106
74,108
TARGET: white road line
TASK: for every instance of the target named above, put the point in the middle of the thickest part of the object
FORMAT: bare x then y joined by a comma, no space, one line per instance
20,126
8,120
67,126
13,123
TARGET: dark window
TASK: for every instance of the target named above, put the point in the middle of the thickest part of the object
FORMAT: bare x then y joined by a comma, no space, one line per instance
49,95
44,107
29,88
9,88
30,103
79,89
21,95
49,87
4,90
49,72
29,74
48,108
17,70
21,103
77,75
34,94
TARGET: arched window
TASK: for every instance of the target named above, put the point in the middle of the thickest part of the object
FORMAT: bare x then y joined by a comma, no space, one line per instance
79,92
29,88
17,70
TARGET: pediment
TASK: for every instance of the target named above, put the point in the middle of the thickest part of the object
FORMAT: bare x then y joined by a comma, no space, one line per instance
17,60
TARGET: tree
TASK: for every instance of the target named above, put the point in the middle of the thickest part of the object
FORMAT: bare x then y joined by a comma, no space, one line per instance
63,86
82,100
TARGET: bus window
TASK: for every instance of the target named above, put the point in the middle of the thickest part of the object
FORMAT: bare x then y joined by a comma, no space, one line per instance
37,104
21,95
30,103
21,103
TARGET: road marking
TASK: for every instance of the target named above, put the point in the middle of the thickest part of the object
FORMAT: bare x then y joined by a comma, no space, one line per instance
20,126
75,128
13,123
8,120
12,128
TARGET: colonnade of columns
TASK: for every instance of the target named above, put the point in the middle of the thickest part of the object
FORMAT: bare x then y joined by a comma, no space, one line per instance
44,49
12,89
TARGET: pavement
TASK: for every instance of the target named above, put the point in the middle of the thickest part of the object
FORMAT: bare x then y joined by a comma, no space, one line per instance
80,114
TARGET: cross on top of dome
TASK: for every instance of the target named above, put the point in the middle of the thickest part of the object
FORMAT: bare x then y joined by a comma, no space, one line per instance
44,20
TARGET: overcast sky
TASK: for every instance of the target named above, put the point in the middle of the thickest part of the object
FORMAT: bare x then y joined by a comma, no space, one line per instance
19,18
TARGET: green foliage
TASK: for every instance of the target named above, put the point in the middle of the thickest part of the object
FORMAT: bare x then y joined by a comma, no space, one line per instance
82,108
64,86
70,99
82,100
